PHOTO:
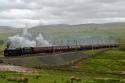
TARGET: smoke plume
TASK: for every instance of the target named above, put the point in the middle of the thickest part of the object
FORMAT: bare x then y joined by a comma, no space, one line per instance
26,40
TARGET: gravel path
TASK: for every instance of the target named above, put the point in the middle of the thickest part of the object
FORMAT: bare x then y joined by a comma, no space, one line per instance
17,69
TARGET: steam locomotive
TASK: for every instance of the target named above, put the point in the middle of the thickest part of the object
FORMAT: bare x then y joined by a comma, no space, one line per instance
8,52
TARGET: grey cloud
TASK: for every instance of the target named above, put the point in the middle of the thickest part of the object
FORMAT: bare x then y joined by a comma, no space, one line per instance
107,1
61,11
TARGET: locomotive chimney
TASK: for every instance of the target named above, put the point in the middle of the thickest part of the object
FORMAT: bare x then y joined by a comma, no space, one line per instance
8,45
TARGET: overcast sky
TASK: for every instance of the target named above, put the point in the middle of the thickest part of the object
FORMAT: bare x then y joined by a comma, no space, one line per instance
18,13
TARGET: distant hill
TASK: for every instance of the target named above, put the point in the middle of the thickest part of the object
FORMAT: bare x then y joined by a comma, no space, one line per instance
91,25
41,28
81,32
76,28
7,29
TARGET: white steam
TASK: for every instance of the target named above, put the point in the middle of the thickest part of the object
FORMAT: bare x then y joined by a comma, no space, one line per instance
40,41
26,40
20,41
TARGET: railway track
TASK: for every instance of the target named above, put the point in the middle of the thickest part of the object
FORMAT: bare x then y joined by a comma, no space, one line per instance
8,52
40,54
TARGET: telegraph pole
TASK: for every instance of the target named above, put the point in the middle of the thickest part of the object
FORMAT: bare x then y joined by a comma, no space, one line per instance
53,49
92,47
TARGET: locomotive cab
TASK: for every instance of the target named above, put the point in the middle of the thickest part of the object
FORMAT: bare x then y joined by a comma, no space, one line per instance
6,54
